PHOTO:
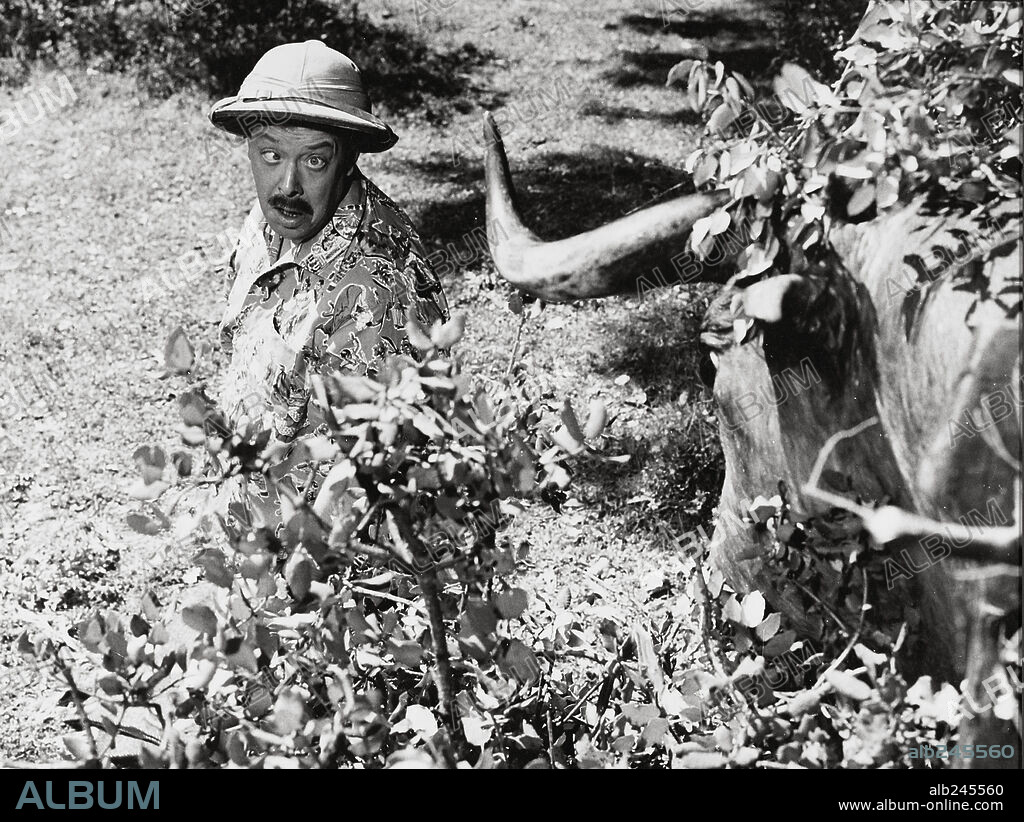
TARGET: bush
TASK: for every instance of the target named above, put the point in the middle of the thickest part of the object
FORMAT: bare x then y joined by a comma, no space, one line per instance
172,45
810,32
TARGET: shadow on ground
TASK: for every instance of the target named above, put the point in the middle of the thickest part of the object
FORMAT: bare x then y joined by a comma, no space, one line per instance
742,45
676,461
560,193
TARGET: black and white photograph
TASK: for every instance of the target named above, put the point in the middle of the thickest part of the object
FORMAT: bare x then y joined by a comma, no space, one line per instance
478,385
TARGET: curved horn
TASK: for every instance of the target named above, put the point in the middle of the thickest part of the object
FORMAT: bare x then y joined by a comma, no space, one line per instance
643,247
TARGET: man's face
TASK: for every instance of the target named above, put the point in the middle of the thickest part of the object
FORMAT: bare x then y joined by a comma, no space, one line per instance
301,176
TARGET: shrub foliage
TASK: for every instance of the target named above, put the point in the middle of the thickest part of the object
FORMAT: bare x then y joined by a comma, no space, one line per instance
381,625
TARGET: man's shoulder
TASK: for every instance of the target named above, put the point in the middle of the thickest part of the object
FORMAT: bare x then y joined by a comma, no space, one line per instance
386,215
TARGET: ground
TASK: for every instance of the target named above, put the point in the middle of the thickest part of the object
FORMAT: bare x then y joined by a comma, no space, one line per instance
115,207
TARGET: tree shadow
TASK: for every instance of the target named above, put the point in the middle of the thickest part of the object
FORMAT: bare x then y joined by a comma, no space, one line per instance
616,114
216,46
676,461
742,45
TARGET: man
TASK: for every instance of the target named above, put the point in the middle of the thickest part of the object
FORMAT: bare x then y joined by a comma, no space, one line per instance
327,270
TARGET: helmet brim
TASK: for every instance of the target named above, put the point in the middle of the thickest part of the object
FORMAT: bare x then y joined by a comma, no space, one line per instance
245,118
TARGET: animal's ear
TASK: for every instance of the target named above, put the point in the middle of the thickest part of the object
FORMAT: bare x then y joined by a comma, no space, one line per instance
764,300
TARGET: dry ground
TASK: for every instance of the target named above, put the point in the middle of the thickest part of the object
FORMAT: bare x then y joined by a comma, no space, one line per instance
107,203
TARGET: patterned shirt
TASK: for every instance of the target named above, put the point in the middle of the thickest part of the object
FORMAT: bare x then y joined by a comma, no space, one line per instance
340,309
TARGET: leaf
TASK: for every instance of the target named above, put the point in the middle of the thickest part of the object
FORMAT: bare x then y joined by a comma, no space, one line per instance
140,489
861,200
656,731
200,618
562,438
25,645
182,463
406,652
144,524
111,684
518,661
732,610
803,703
753,609
289,713
151,461
512,603
597,418
701,761
476,730
848,685
647,657
767,629
212,561
193,407
192,434
795,88
78,746
151,606
446,335
885,35
300,575
179,356
887,192
481,617
638,714
139,626
417,336
868,657
357,389
705,170
679,74
719,222
672,702
720,119
859,55
699,231
421,720
572,425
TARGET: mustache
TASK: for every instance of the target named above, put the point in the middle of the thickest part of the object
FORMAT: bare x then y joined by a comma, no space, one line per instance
290,203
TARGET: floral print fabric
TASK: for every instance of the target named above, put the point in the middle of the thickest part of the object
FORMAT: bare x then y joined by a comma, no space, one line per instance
340,309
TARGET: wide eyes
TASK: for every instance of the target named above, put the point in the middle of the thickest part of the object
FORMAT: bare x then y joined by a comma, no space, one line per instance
314,161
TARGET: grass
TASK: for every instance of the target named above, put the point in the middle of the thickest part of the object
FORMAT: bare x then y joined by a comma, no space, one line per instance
107,203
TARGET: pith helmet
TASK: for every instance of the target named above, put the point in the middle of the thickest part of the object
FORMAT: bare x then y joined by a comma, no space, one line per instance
305,84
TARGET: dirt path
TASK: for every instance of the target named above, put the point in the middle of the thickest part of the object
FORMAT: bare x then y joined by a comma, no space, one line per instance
113,207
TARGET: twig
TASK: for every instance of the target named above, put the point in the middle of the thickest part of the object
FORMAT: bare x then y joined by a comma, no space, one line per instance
515,347
551,735
705,596
853,639
824,607
390,597
431,588
888,523
79,705
439,640
610,670
811,486
985,544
